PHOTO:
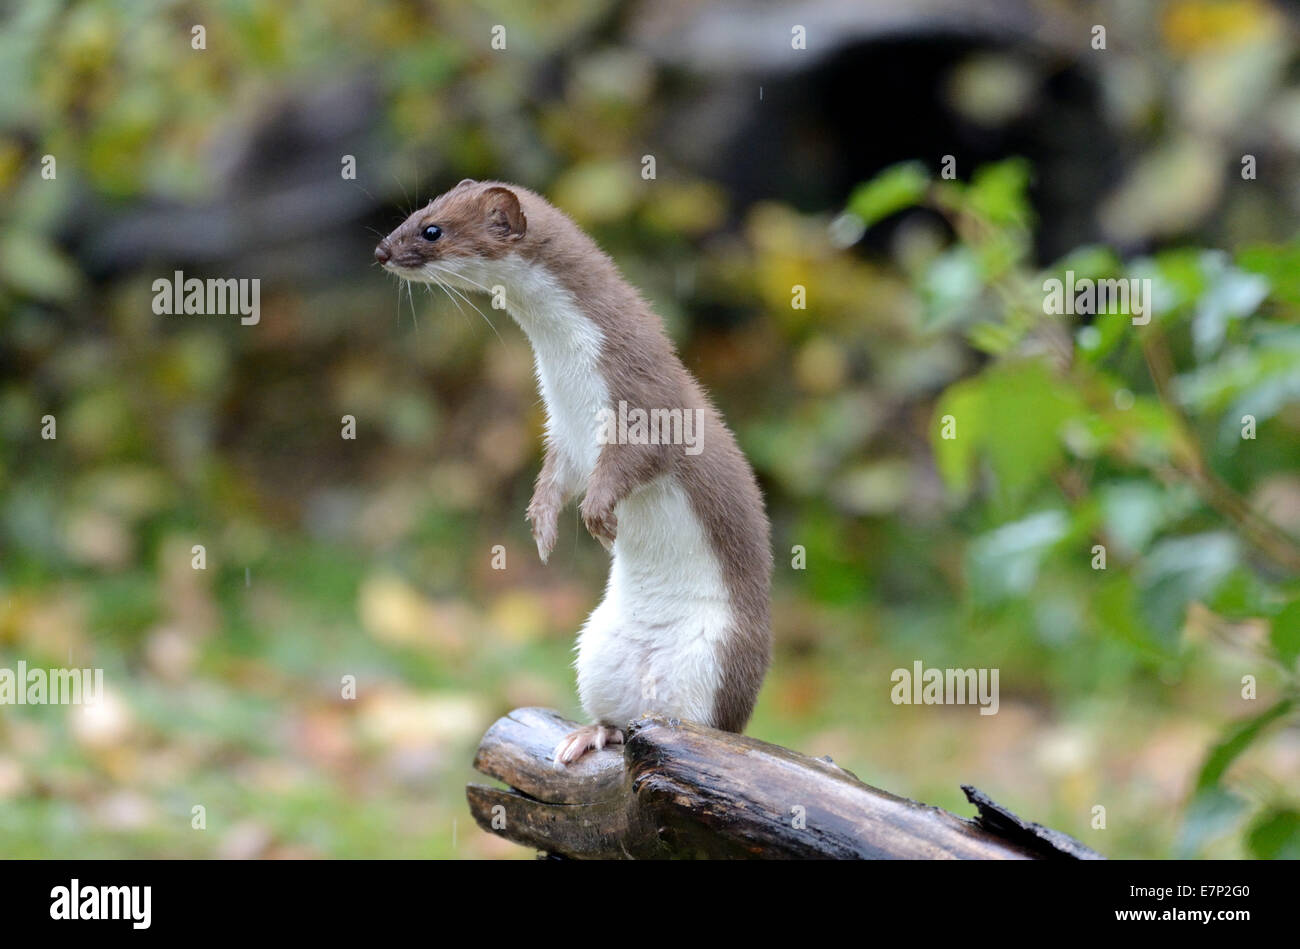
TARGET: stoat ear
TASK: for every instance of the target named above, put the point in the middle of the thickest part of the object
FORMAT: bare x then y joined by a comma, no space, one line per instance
504,215
464,182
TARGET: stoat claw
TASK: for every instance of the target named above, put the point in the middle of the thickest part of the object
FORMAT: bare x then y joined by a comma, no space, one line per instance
587,738
601,524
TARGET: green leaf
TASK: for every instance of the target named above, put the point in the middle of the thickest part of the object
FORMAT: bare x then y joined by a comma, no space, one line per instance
1000,193
1099,339
36,267
955,457
1241,596
897,187
1275,835
1230,294
1285,634
995,339
1013,416
1116,609
1026,409
1177,276
1240,736
1212,813
1259,380
1179,570
1135,511
1004,563
1279,264
950,288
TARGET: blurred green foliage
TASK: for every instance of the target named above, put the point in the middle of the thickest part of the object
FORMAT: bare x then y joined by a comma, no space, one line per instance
1152,439
1121,687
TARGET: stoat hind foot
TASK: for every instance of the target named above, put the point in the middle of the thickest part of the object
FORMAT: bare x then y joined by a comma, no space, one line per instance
585,739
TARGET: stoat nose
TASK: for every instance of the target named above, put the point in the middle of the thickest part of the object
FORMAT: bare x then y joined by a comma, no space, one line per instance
382,255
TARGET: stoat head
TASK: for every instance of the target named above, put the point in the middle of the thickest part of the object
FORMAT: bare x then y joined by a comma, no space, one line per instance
472,223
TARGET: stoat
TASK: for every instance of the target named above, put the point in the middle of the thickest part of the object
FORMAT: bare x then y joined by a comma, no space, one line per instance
683,629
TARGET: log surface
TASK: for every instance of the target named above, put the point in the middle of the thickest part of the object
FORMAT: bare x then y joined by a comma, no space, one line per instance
679,790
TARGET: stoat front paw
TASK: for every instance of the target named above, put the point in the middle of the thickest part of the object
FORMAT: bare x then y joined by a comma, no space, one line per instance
543,515
601,522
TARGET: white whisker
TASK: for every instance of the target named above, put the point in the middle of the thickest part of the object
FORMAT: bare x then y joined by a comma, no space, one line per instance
460,276
445,272
459,309
411,300
429,289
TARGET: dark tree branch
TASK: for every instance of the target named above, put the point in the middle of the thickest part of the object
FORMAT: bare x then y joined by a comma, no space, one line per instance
676,789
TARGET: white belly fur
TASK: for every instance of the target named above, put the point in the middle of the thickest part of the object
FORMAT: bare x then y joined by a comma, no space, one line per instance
652,644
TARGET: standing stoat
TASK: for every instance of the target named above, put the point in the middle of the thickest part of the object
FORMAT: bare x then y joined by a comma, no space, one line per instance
683,629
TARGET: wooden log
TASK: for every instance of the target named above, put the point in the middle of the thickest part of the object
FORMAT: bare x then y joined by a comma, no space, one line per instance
676,789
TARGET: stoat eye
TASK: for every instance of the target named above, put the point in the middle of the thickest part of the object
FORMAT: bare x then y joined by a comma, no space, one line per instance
431,233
